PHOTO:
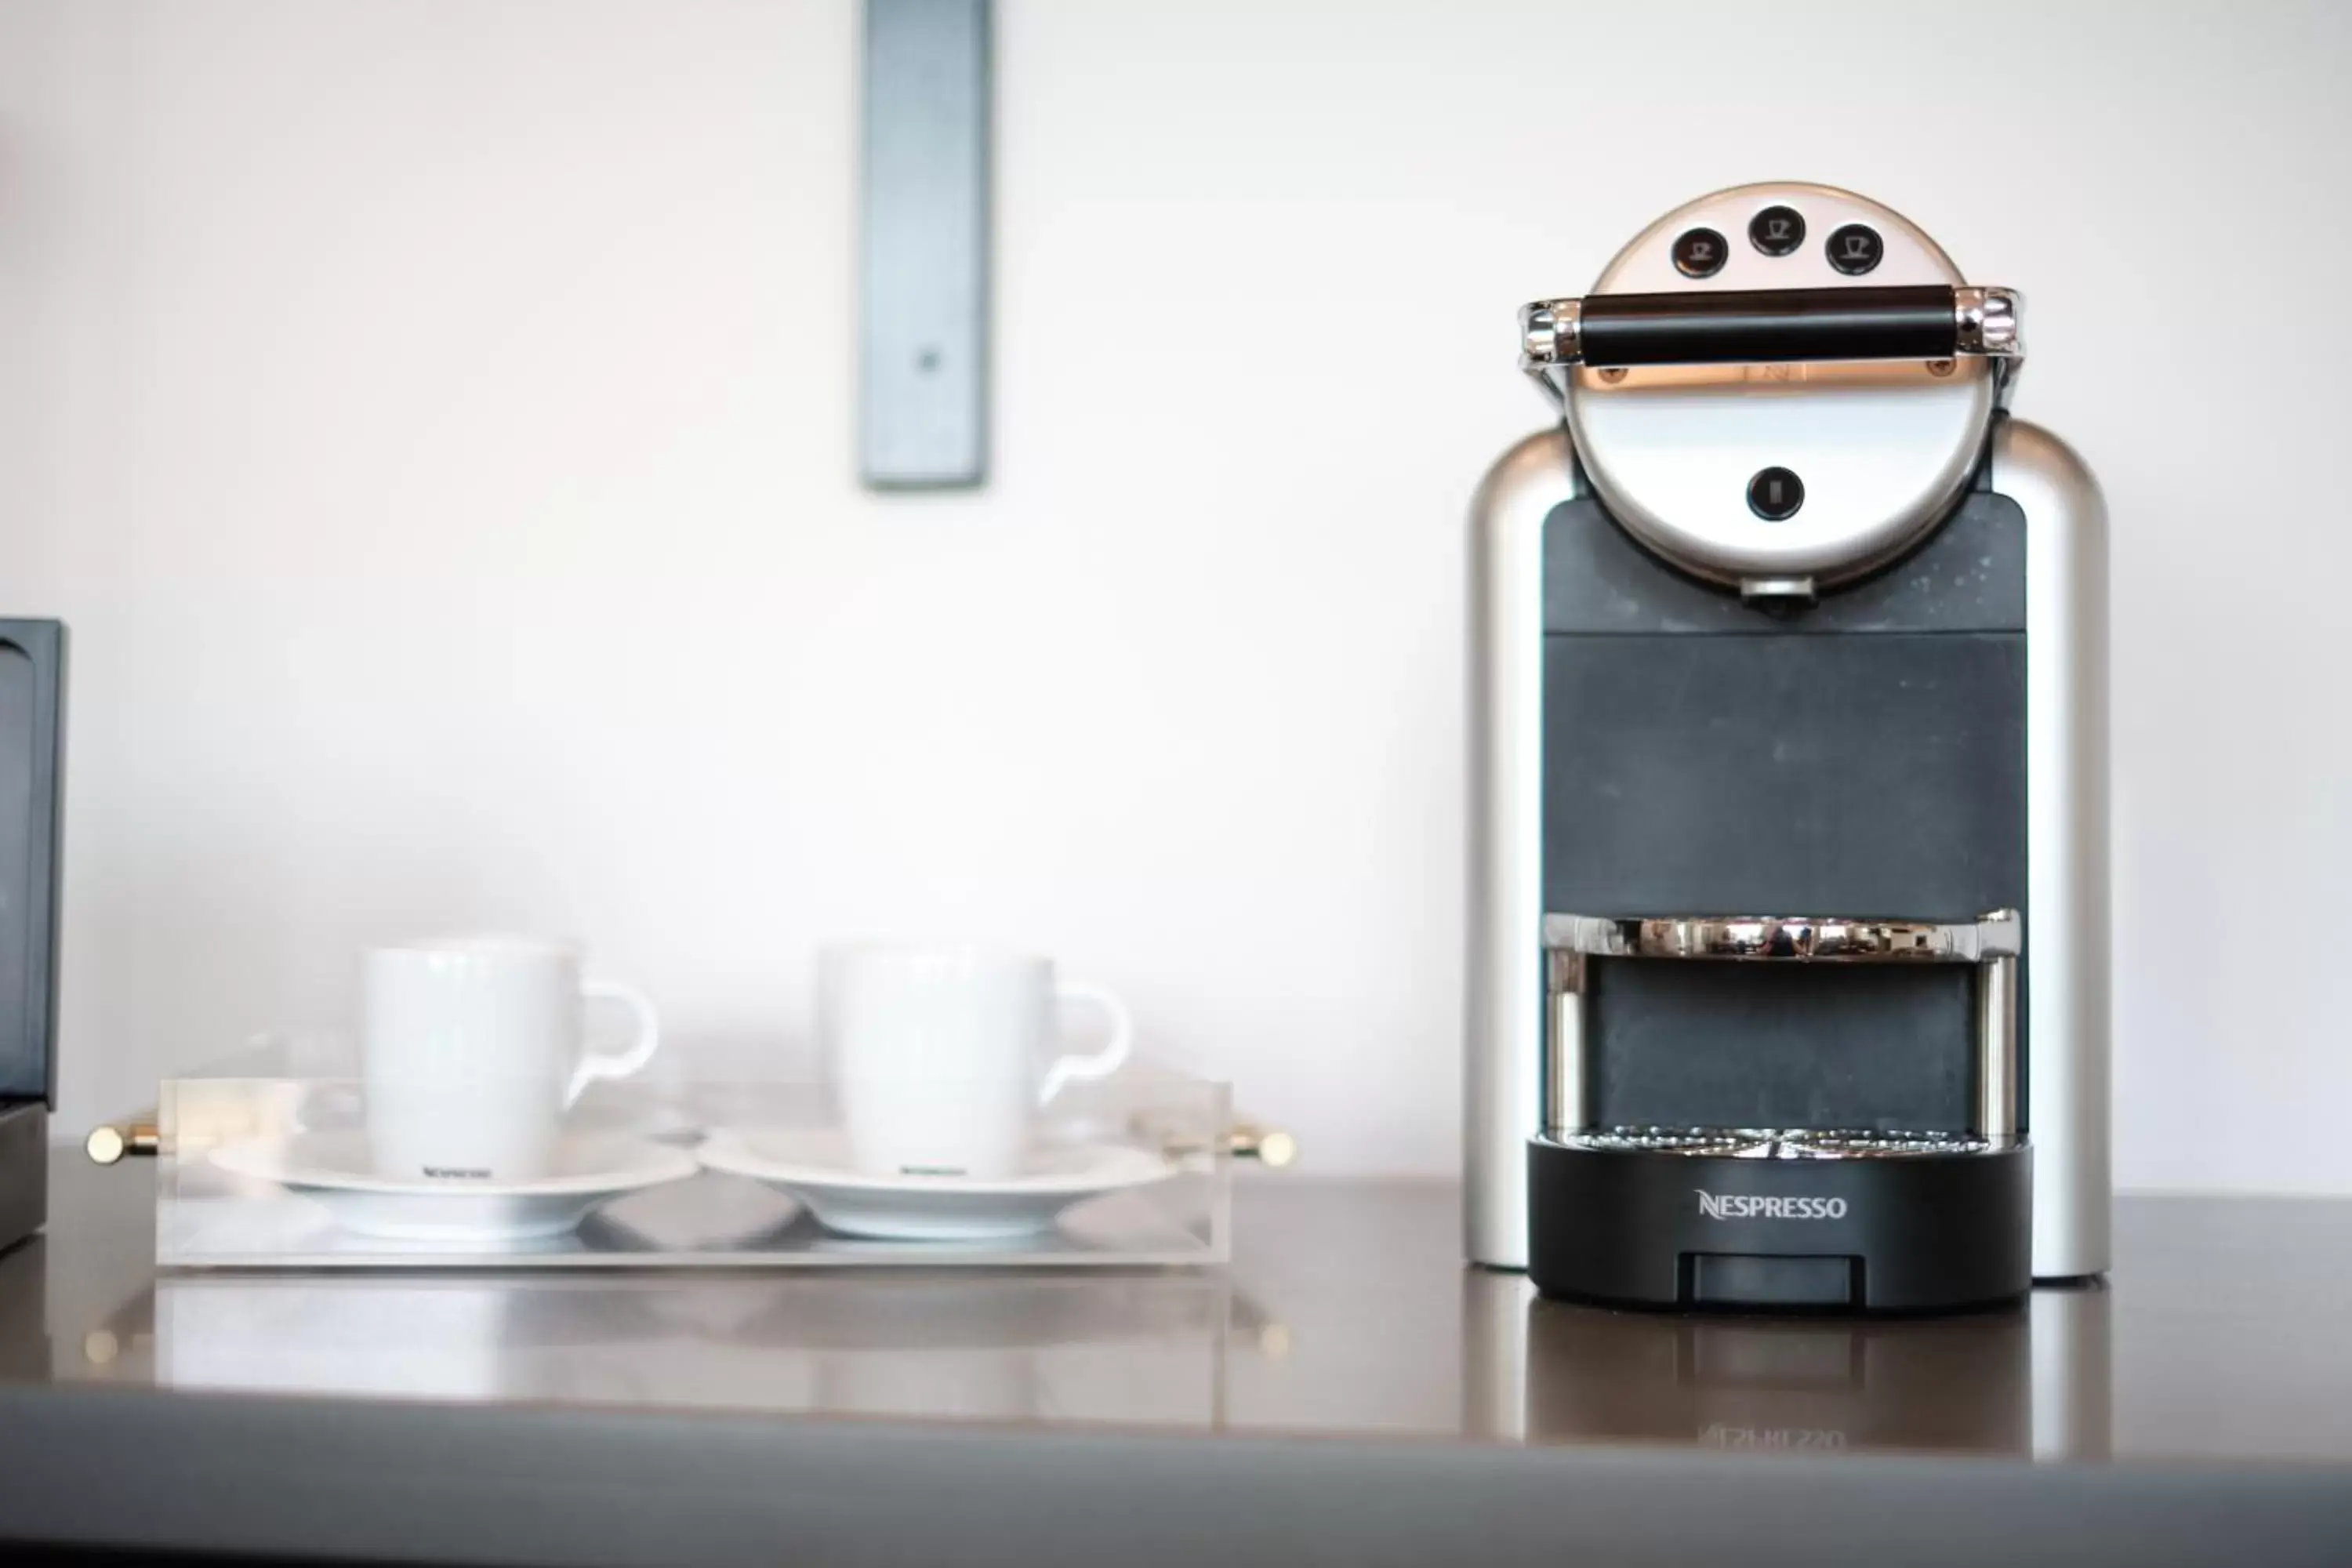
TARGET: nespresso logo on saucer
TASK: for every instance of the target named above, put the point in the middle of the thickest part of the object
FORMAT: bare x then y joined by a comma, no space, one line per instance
1754,1205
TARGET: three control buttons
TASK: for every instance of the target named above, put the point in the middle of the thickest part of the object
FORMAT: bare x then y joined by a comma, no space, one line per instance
1853,249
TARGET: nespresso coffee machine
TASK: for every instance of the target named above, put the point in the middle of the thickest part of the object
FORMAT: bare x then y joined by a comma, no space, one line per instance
1788,917
32,732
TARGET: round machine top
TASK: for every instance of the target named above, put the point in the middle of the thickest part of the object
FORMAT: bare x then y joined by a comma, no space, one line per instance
1778,386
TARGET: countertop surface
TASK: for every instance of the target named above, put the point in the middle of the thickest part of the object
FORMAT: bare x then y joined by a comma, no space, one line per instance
1346,1332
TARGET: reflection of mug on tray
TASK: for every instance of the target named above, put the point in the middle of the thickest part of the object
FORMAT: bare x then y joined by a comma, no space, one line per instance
942,1056
472,1051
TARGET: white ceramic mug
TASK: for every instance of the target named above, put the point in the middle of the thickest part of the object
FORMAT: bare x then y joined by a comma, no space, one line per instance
472,1049
943,1055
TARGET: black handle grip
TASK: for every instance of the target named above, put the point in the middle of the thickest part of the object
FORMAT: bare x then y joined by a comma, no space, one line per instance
1768,326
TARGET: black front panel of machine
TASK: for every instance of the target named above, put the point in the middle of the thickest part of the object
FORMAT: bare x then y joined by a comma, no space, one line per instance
1968,576
1785,773
1704,757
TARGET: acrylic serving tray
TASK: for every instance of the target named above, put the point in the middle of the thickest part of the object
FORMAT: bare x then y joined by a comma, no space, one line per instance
263,1163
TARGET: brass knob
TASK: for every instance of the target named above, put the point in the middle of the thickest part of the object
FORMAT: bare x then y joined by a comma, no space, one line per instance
109,1142
1243,1140
1268,1146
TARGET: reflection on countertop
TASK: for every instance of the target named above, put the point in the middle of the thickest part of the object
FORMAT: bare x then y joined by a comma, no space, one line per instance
1133,1351
2030,1381
1346,1312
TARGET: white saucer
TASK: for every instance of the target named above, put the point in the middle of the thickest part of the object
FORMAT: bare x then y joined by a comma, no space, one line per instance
814,1165
334,1168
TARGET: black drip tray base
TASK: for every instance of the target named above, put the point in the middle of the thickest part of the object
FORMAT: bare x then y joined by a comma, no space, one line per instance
1765,1221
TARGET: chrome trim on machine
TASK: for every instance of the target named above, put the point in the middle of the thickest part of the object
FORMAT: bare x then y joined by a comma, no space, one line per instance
1563,1076
1798,938
1996,1096
1775,1144
1986,322
1551,333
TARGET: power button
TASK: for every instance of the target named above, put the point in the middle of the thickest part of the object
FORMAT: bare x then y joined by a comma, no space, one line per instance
1775,494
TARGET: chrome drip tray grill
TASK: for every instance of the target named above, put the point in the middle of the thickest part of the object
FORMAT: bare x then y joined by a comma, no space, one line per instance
1775,1144
1881,1146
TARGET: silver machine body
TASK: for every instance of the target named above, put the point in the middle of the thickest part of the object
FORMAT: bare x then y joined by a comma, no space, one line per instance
1673,447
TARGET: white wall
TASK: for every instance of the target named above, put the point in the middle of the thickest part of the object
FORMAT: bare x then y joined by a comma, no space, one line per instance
435,421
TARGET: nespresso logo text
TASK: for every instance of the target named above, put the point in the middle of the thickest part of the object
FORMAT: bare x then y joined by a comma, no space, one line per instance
1752,1206
1720,1435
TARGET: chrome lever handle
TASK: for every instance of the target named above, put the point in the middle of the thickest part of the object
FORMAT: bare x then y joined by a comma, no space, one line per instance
1769,326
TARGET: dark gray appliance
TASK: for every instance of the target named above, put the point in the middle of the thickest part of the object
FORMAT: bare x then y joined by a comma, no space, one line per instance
32,752
1788,961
